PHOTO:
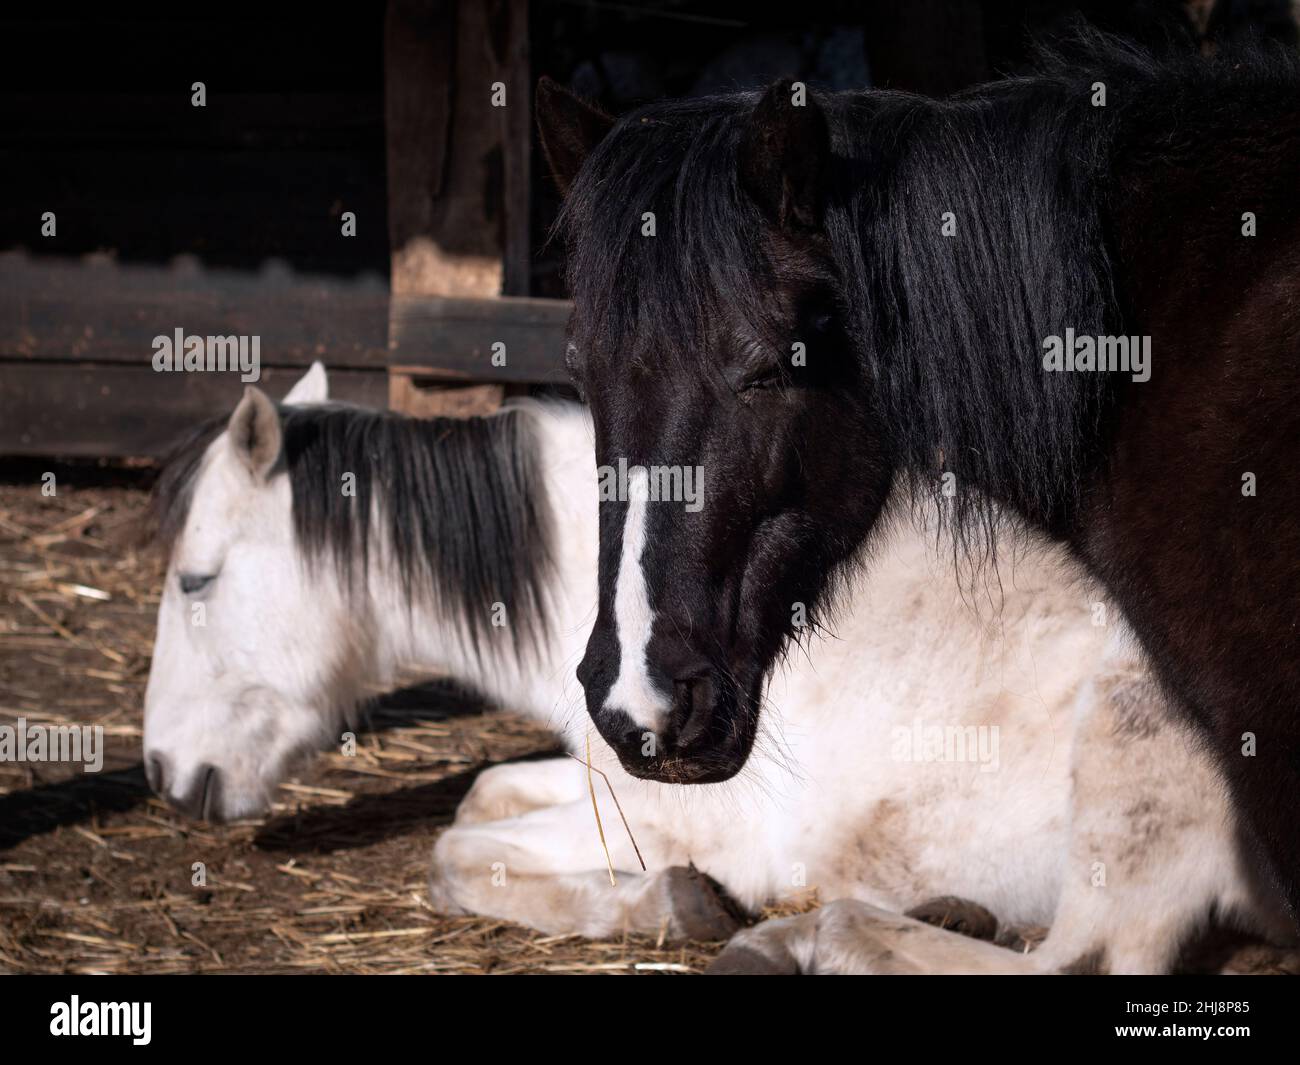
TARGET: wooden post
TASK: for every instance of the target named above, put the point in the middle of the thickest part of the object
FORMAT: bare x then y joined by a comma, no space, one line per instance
517,137
458,166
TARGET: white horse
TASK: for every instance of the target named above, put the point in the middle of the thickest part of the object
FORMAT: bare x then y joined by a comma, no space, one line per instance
1020,757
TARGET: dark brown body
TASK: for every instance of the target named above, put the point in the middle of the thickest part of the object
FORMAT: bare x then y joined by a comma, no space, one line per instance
1208,576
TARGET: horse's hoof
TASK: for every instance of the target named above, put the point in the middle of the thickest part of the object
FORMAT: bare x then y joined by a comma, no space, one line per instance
745,961
440,896
957,915
700,908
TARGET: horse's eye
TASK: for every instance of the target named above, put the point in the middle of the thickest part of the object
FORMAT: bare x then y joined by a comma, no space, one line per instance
823,323
771,378
194,582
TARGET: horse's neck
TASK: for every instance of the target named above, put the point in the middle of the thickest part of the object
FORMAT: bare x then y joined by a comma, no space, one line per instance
415,640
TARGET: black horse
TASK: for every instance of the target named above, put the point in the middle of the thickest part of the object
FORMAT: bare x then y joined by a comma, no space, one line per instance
810,297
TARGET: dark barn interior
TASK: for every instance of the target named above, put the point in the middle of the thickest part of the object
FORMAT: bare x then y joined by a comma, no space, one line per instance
229,216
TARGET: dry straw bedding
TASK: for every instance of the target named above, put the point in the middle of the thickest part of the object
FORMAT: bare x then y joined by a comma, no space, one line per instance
96,873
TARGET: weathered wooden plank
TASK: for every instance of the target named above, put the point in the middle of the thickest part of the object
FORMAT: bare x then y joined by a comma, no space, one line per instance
454,338
96,309
79,410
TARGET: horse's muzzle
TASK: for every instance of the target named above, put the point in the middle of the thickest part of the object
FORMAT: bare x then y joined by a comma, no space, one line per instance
201,801
706,738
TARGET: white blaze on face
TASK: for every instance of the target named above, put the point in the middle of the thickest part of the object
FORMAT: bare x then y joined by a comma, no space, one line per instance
633,692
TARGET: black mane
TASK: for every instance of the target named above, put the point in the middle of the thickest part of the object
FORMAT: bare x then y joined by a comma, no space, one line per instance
458,500
950,330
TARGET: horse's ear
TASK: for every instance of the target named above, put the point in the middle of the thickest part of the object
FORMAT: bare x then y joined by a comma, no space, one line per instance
785,154
312,387
254,431
569,128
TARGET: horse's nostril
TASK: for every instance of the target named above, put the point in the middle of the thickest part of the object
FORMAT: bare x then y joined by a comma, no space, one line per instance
637,739
203,799
155,772
693,706
211,803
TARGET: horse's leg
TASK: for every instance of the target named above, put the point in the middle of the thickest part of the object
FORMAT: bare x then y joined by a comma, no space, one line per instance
1264,786
850,937
1152,849
546,869
515,788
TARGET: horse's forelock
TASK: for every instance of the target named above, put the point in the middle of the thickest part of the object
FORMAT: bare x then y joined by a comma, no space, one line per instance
678,160
173,491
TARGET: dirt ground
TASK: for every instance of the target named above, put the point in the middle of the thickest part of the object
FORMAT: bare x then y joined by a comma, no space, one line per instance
95,873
